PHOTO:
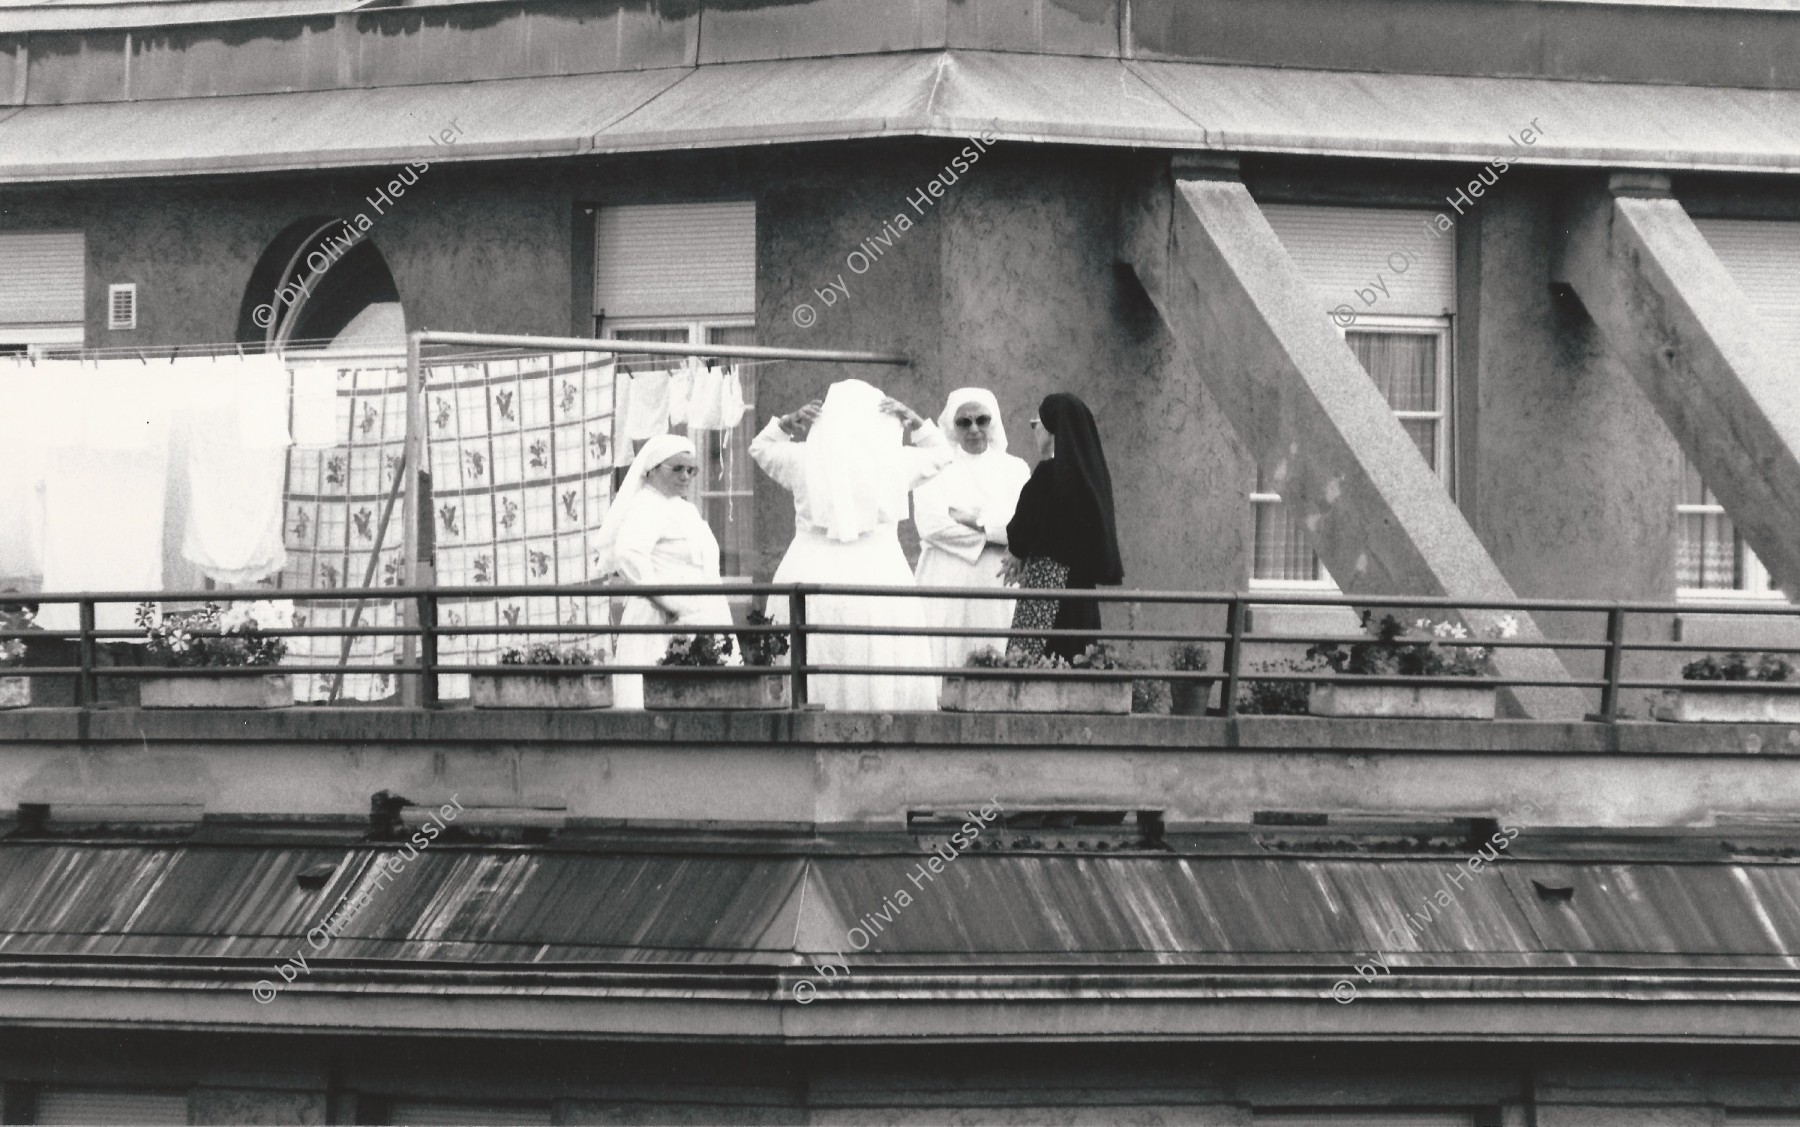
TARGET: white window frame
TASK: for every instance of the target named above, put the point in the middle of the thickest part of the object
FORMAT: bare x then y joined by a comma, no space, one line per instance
1444,329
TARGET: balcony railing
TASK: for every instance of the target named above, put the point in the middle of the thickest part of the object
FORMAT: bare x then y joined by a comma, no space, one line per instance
1597,637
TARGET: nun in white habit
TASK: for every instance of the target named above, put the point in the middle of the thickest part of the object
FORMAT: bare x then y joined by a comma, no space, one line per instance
850,478
652,534
962,515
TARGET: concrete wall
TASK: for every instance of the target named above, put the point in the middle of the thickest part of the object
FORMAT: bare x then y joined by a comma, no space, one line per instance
266,1079
1576,476
848,771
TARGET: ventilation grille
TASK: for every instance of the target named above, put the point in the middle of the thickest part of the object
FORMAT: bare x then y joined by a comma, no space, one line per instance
121,306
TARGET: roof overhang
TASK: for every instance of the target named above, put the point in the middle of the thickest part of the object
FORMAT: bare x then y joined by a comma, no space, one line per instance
946,94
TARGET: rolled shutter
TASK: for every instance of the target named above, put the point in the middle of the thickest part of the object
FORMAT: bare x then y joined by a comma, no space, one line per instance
1349,252
43,280
1763,258
675,260
110,1105
1364,1119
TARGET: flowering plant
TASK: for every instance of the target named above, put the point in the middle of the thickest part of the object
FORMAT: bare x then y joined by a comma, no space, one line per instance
698,649
215,635
12,650
544,654
1395,649
1738,667
1096,656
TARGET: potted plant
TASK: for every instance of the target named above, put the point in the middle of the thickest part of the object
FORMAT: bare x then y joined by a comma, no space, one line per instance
15,688
1189,698
1394,649
726,689
1028,693
1746,705
217,638
572,683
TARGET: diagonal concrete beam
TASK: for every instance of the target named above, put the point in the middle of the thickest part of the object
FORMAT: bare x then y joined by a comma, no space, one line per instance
1670,309
1379,517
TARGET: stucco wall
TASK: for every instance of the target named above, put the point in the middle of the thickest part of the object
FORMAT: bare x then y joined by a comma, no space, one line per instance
1577,477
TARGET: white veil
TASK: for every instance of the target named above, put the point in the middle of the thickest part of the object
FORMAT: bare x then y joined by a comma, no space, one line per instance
855,477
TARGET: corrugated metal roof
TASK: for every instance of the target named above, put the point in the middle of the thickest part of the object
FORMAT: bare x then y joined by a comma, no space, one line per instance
543,908
71,15
1056,99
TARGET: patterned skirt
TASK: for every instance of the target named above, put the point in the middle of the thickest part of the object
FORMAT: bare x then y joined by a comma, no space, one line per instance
1037,614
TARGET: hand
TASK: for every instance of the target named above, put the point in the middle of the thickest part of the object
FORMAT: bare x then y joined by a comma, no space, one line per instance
901,411
964,516
798,423
1011,568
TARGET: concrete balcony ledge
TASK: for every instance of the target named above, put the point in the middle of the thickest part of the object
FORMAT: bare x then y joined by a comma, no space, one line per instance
919,730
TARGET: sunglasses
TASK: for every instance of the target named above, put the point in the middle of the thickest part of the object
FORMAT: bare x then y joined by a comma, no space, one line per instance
1036,425
977,421
685,471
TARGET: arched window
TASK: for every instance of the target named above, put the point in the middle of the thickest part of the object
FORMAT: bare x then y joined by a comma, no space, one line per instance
321,284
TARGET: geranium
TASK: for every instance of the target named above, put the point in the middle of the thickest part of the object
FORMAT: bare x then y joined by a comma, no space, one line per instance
543,654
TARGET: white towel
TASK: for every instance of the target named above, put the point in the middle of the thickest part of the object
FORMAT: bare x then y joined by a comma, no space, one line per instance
646,405
236,462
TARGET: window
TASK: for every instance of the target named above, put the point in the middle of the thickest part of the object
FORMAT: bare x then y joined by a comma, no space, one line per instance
1711,559
1370,1119
1409,360
722,490
43,287
1397,269
687,273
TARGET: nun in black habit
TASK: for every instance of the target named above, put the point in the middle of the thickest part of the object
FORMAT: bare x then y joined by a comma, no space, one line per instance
1062,533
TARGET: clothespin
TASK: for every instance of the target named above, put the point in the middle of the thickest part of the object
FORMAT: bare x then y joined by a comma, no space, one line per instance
711,363
240,349
140,357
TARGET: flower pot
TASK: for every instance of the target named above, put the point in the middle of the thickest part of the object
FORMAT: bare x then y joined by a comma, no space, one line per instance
1189,698
541,690
720,691
1425,702
267,690
15,691
1034,694
1702,706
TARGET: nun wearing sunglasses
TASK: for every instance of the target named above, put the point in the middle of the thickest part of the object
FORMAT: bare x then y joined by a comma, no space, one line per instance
962,515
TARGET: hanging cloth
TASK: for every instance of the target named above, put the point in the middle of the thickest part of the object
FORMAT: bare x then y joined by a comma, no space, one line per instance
681,391
717,402
646,405
25,390
104,493
236,461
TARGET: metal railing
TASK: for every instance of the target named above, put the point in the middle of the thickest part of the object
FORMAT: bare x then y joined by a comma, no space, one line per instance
1601,632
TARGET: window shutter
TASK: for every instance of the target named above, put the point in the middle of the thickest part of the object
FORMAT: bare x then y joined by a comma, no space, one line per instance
675,260
1763,257
110,1105
42,279
1349,252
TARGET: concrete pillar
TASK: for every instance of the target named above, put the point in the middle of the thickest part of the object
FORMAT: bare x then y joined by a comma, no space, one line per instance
1669,308
1380,519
